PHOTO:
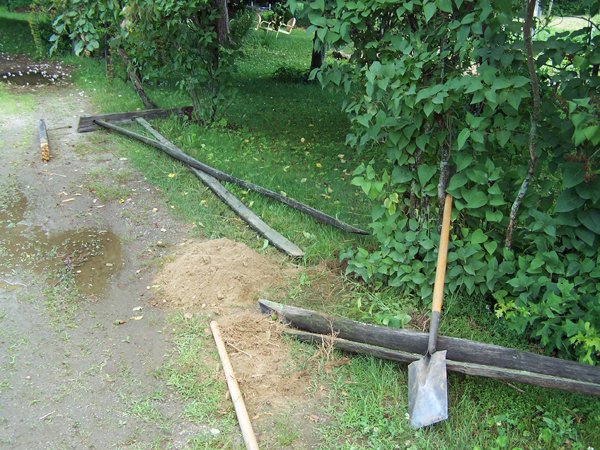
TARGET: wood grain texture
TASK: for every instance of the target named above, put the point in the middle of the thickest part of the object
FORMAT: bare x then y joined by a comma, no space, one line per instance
87,123
459,350
499,373
245,213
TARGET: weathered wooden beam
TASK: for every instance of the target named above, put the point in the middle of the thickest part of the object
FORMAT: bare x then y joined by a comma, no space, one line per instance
44,144
500,373
247,215
178,154
460,350
87,123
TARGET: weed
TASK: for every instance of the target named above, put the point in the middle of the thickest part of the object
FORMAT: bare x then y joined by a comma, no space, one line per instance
62,299
196,378
106,191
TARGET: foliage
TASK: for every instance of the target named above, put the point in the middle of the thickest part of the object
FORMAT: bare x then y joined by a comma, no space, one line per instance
570,7
191,41
85,24
182,37
438,83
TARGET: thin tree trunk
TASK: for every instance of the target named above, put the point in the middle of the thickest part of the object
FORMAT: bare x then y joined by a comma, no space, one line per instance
535,115
137,84
222,22
316,60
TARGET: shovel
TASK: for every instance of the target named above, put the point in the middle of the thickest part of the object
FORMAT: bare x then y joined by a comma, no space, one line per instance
427,378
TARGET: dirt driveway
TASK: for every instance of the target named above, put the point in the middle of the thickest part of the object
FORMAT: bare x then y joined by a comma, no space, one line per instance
79,342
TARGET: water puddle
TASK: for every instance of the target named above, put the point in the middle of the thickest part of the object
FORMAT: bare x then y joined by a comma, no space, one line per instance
92,255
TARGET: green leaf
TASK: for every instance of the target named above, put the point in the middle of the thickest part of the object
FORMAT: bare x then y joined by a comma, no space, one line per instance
478,237
429,10
514,100
573,174
491,246
590,219
568,200
444,5
463,161
586,236
425,172
590,190
401,174
493,216
462,137
474,198
457,181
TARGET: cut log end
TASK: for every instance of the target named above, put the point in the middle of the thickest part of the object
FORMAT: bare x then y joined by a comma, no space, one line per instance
45,149
44,146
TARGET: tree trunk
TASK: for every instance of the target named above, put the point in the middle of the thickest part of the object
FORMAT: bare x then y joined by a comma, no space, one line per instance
535,115
316,61
222,22
137,84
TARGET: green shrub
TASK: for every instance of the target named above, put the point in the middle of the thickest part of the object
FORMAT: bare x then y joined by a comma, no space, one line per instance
433,84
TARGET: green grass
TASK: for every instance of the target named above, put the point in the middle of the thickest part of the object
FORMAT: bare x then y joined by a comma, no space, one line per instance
15,35
198,380
277,134
369,402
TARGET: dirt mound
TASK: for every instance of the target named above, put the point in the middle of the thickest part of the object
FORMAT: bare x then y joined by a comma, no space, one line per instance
221,280
218,275
262,361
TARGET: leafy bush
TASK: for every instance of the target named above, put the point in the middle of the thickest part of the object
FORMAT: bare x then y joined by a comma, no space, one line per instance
433,84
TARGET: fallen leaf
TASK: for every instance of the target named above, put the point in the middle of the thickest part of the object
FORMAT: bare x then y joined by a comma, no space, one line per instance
171,175
137,317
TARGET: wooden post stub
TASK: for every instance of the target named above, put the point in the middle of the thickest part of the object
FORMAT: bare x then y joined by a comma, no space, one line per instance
44,145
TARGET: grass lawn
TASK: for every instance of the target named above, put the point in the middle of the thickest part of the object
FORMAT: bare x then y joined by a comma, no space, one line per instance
289,136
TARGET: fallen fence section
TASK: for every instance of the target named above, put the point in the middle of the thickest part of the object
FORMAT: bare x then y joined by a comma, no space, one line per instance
44,145
178,154
87,123
255,222
464,356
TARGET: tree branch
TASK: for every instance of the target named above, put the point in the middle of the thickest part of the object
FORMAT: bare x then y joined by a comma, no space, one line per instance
535,116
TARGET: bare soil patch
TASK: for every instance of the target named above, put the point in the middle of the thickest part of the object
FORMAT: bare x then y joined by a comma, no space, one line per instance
222,280
23,71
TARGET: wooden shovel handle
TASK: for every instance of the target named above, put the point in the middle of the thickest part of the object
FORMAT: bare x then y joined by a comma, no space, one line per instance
440,272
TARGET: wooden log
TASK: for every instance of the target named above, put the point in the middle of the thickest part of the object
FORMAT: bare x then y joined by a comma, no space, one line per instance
248,216
234,391
178,154
245,213
500,373
460,350
44,144
87,123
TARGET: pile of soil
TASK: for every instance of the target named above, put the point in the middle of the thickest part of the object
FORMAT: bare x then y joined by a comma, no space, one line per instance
222,279
218,276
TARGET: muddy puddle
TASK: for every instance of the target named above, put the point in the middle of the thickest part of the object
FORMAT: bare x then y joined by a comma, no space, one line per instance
92,256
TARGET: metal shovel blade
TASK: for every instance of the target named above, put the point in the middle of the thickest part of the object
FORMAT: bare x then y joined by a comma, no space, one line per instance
428,390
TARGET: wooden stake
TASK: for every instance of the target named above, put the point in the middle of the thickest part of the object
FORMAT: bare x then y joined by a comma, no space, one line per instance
234,391
44,146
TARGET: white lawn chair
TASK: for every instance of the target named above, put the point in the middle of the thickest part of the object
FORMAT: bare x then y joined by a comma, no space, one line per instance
270,26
